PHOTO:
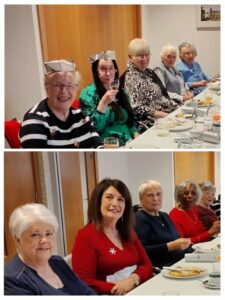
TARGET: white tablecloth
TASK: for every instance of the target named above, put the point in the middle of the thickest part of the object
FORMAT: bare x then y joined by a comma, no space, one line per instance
150,140
160,285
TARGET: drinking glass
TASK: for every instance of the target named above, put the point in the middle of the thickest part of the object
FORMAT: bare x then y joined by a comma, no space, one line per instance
114,85
162,127
208,96
207,123
111,142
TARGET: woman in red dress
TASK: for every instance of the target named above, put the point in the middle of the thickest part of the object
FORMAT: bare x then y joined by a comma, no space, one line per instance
185,215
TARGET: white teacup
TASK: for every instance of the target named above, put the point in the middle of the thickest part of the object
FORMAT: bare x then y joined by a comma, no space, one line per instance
214,279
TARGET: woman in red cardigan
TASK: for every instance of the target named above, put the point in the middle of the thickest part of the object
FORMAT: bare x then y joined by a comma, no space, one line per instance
107,253
185,215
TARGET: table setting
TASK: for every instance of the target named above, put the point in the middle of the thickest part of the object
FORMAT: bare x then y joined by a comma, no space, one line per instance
197,276
196,124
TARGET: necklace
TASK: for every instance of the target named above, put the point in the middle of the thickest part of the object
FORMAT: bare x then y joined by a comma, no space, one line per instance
189,217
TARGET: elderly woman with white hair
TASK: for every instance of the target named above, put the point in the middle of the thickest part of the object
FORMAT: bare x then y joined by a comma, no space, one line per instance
206,214
170,77
149,98
35,270
192,72
156,231
53,123
185,215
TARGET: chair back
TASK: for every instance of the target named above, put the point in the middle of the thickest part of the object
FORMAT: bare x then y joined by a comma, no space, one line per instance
68,260
76,104
12,133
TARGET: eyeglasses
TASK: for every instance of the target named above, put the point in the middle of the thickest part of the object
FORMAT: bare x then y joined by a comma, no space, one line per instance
142,56
105,70
59,86
39,236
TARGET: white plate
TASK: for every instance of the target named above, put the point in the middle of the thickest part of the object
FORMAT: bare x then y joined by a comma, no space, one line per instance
214,85
167,274
205,105
209,286
184,125
185,116
207,246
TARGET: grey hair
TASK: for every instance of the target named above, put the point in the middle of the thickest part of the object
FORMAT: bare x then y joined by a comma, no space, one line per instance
181,188
186,45
166,49
23,216
148,184
138,46
207,185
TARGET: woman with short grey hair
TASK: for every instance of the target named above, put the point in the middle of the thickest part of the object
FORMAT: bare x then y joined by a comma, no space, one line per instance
156,231
206,214
170,77
35,270
185,215
191,70
53,122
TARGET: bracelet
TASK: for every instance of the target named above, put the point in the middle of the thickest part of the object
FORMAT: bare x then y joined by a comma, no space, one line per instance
135,280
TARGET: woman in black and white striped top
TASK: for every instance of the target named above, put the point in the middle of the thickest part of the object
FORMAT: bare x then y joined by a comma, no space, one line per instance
53,123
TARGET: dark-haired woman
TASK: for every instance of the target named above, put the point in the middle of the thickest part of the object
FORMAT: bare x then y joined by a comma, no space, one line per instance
185,215
109,108
107,254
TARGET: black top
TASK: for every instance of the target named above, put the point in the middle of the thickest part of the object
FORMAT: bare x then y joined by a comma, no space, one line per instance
216,206
42,129
155,232
19,279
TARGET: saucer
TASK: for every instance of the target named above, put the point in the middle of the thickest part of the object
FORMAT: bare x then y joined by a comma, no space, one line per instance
209,286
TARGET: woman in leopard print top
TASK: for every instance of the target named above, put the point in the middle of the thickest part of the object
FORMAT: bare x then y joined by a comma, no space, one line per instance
149,98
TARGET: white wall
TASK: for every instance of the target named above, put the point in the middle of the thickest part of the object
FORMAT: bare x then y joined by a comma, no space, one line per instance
136,167
114,165
23,61
174,24
133,168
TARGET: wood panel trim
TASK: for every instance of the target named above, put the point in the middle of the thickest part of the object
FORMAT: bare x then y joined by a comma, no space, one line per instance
91,173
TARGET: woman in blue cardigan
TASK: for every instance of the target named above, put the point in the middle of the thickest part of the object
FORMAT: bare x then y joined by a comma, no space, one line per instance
155,229
191,70
35,270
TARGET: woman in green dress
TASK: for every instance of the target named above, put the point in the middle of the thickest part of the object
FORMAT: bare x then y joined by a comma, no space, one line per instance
108,104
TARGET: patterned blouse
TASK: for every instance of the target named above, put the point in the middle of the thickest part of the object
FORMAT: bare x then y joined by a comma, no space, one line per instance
147,94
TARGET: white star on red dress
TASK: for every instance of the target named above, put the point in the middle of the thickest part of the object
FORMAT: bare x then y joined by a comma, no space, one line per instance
112,251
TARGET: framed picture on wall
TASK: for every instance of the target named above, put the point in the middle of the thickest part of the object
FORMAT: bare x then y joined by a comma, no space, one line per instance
208,16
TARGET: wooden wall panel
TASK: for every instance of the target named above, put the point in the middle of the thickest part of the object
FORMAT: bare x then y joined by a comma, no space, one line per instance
19,188
77,31
90,161
197,166
71,194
